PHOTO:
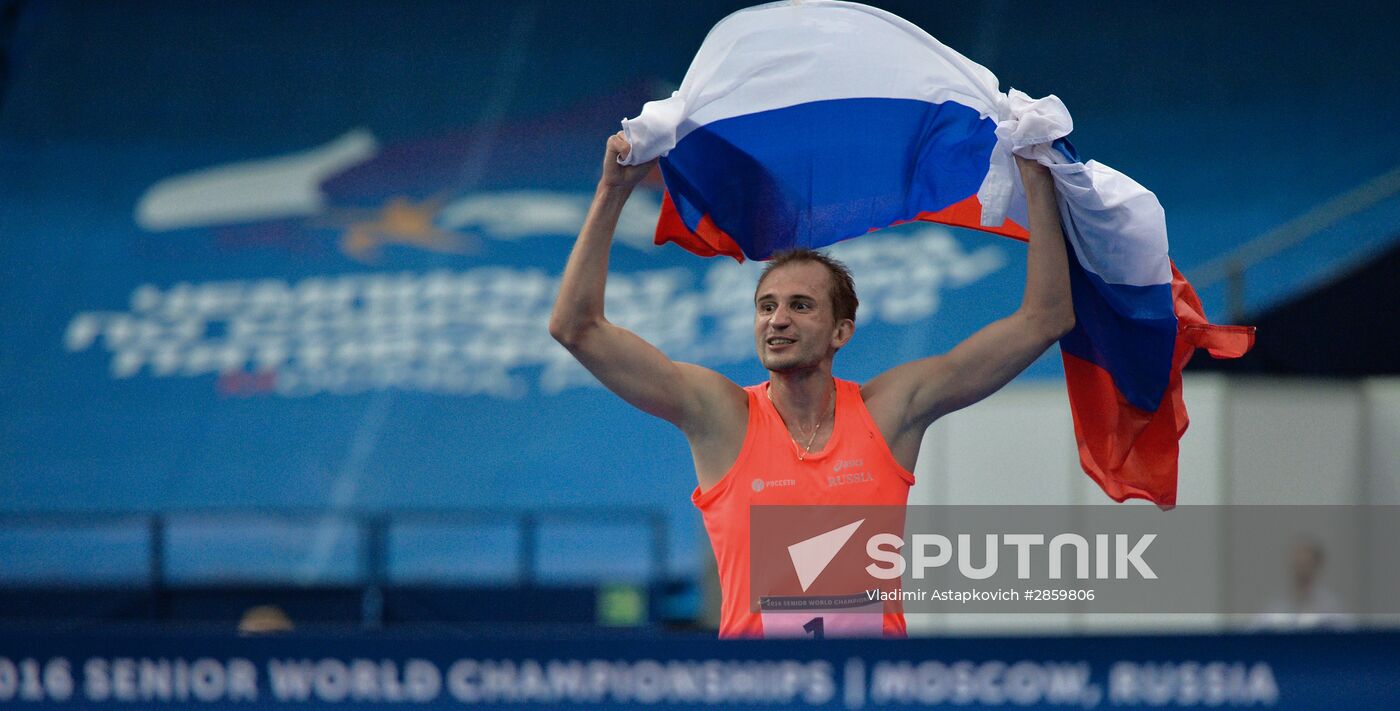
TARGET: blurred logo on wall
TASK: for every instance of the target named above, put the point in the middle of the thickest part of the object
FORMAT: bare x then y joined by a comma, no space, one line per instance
326,187
472,323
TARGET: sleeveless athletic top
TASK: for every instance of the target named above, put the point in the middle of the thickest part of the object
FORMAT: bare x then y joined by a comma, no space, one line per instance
855,468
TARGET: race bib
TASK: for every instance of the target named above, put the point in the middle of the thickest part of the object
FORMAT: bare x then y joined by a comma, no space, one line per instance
822,616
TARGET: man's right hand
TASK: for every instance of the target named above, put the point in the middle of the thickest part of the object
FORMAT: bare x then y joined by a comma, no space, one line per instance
622,177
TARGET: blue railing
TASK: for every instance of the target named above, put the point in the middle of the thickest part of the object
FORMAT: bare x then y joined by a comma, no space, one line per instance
345,549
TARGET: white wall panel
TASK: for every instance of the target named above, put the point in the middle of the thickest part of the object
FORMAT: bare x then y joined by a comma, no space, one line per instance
1382,440
1293,441
1251,441
1016,447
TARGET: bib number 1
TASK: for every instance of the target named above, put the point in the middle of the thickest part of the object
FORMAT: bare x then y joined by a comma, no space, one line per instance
820,617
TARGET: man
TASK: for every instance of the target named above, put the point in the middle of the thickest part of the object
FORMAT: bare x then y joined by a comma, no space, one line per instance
791,429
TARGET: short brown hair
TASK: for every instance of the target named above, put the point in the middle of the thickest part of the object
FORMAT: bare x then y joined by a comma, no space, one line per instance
843,287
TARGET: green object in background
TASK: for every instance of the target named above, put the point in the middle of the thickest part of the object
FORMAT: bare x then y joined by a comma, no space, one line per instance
621,605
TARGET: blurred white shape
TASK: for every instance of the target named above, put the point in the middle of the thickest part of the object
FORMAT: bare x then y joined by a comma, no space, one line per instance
518,214
269,188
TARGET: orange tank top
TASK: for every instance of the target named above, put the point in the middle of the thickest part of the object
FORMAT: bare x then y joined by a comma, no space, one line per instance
768,471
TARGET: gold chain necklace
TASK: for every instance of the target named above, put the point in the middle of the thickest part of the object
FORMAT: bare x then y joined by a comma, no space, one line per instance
801,456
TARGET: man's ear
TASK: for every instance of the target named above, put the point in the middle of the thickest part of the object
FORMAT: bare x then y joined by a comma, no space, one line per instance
845,328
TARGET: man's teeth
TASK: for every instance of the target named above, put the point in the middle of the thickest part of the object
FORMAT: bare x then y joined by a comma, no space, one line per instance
780,341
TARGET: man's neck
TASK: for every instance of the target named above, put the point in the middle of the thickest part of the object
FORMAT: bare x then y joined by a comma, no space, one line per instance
804,395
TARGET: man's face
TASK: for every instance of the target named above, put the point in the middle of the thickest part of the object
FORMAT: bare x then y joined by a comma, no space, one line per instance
794,325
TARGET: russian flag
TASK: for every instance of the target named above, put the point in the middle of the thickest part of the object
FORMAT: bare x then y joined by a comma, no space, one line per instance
807,123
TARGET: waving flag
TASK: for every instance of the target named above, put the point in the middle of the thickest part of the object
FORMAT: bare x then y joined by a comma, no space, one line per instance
807,123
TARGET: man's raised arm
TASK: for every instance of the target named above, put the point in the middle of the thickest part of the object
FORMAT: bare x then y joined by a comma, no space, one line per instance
698,400
911,396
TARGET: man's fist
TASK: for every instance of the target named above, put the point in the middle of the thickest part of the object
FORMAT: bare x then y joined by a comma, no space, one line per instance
622,177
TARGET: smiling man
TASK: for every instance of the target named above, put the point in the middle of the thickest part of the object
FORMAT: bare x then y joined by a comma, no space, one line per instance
779,442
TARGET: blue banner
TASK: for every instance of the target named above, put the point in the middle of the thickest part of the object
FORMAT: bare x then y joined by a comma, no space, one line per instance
206,670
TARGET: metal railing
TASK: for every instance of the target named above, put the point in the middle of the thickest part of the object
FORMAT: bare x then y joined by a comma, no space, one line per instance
1231,266
372,531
